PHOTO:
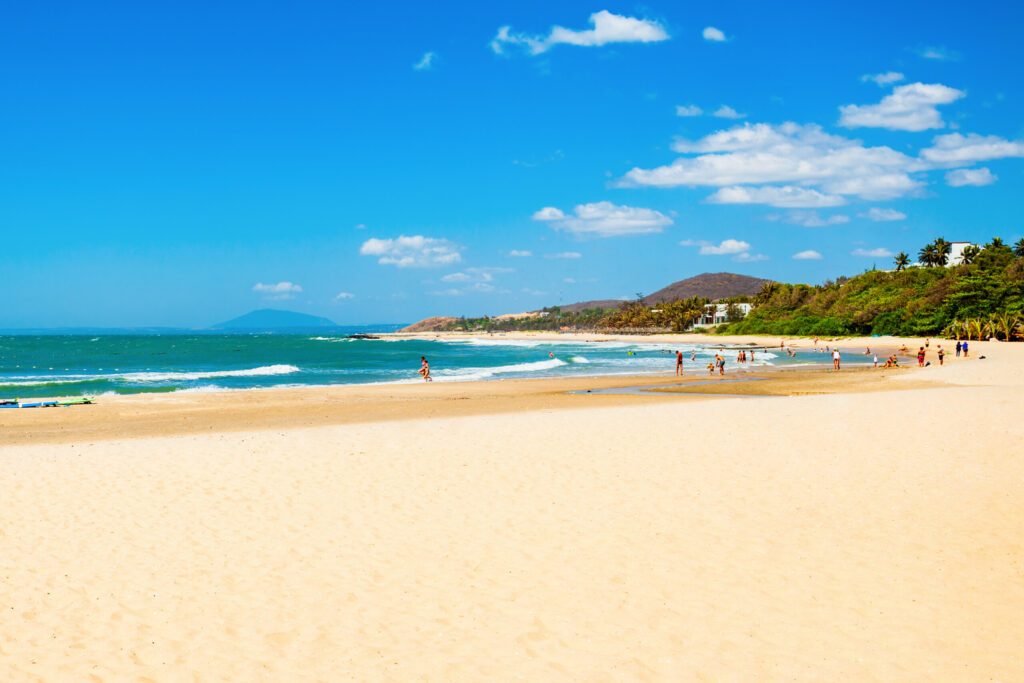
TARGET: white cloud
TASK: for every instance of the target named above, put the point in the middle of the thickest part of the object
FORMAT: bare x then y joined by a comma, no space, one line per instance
956,149
426,62
727,112
976,177
520,253
608,28
604,219
413,251
729,246
910,107
564,255
883,79
713,34
747,257
476,275
938,54
341,296
803,155
786,197
569,280
360,226
880,252
279,291
882,215
688,110
811,219
807,255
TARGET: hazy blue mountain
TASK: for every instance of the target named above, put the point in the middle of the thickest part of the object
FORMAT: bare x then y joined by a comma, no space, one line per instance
274,319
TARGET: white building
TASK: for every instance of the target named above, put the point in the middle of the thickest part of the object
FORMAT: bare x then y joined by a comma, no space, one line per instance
956,252
717,314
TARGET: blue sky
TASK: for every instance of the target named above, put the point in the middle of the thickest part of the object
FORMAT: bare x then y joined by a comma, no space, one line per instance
182,163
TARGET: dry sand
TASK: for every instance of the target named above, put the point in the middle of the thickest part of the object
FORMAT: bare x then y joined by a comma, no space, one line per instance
844,536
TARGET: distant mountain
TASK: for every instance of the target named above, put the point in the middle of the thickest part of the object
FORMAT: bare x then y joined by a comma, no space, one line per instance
709,286
273,319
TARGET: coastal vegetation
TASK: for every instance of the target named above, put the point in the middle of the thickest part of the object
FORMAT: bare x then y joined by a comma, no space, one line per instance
981,296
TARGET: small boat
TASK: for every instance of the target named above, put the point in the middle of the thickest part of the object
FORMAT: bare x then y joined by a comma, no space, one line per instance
63,403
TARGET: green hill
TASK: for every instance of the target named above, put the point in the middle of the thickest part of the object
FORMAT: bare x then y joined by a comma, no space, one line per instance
274,319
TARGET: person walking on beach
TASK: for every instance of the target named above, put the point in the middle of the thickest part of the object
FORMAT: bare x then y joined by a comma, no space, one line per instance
721,364
920,357
965,348
942,354
425,369
679,363
876,360
836,358
958,347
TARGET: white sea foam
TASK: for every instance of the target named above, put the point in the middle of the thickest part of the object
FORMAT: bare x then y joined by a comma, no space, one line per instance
263,371
578,359
467,374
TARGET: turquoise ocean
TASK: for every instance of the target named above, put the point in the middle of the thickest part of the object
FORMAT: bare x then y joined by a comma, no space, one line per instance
93,365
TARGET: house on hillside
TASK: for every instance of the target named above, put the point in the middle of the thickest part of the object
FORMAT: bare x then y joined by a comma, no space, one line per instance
718,314
956,252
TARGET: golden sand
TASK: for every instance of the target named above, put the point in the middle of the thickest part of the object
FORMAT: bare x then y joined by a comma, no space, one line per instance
873,535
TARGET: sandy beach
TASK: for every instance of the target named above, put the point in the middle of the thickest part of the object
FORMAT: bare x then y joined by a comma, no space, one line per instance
806,526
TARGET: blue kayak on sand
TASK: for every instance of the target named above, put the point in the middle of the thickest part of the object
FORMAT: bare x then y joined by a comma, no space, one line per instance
85,400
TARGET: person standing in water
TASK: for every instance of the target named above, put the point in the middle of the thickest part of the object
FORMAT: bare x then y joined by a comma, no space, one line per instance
425,369
836,360
679,363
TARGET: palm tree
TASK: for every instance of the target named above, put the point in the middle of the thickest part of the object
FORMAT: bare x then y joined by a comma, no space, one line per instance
996,243
975,327
1004,323
928,255
969,254
902,260
1018,248
942,251
768,290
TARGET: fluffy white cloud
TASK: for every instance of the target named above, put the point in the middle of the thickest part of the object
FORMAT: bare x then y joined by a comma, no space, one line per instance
882,79
811,219
520,253
976,177
880,252
607,28
807,255
727,112
604,219
426,62
341,296
786,197
713,34
279,291
565,255
802,155
882,215
738,249
413,251
956,149
688,110
910,107
729,246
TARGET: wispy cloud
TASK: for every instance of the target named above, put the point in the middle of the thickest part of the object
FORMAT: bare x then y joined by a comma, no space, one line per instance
911,107
807,255
727,112
520,253
785,197
426,62
883,79
811,219
604,219
279,291
413,251
343,296
880,252
564,255
937,53
976,177
880,215
713,35
688,110
607,28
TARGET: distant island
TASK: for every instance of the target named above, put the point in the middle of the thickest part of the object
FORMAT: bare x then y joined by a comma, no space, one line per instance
274,319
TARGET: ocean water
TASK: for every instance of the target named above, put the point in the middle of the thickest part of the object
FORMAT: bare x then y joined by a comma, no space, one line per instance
88,365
